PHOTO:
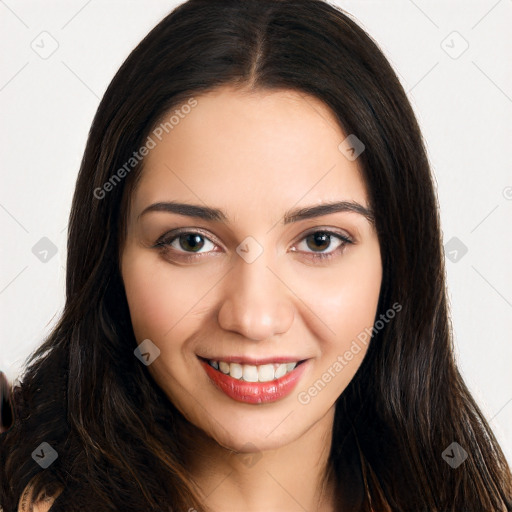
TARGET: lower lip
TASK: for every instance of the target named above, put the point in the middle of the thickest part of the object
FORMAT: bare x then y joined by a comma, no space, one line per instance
255,392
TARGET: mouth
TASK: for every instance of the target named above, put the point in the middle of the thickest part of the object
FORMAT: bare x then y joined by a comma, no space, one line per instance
253,383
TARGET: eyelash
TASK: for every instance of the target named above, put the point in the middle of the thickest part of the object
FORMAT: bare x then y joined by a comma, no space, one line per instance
164,242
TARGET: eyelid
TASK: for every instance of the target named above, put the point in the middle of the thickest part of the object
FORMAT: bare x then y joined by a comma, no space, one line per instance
166,239
325,229
171,235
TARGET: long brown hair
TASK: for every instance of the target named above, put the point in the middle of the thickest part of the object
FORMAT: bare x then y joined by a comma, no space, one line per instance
117,436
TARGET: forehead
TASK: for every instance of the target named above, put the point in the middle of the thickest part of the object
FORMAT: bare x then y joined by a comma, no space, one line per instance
259,151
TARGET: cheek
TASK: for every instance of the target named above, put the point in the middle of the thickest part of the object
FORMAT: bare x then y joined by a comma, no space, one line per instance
164,299
154,298
356,302
343,297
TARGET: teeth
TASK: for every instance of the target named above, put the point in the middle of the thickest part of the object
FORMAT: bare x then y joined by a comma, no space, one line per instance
236,370
252,373
266,372
290,366
280,370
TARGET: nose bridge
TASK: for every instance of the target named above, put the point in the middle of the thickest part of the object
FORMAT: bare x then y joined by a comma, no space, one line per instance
256,304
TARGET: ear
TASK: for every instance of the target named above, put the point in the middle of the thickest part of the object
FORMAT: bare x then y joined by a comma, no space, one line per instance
28,504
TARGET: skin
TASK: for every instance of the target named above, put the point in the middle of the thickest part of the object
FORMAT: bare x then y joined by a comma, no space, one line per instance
254,155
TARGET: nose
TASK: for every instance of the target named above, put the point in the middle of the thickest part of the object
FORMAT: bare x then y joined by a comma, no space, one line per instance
257,303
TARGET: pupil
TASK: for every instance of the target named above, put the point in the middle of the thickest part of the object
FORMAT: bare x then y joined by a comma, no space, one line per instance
321,238
191,241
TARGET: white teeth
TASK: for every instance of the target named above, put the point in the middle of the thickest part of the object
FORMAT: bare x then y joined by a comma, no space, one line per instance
290,366
280,370
266,372
236,370
252,373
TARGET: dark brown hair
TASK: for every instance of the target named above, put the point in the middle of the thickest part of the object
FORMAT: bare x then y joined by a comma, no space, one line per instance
117,435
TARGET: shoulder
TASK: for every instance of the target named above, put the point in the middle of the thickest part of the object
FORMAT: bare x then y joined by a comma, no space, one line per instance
30,503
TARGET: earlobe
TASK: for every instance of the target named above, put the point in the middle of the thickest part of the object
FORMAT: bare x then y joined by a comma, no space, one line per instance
41,504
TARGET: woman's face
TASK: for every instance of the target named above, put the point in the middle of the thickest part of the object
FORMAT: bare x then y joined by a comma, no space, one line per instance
258,283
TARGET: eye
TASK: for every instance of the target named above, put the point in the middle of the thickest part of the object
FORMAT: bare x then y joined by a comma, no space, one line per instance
320,240
188,244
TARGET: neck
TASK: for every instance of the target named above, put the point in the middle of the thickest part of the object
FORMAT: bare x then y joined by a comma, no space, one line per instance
294,477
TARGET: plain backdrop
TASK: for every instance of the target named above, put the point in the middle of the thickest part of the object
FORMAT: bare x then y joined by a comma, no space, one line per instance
453,59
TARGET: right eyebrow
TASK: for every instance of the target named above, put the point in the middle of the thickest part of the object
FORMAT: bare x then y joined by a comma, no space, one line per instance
189,210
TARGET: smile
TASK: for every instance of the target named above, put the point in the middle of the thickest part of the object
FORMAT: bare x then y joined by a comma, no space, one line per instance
253,373
254,384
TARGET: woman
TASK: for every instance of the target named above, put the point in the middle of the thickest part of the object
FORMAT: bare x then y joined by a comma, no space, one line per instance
256,313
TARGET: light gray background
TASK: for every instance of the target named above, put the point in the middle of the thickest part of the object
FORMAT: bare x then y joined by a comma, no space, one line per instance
463,99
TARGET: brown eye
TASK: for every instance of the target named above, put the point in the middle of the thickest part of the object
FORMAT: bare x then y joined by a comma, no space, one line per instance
185,243
191,241
318,242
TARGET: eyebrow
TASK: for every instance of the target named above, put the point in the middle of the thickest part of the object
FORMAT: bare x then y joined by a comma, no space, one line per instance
293,215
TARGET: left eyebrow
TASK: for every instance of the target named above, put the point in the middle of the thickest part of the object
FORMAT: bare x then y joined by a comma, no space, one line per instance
309,212
294,215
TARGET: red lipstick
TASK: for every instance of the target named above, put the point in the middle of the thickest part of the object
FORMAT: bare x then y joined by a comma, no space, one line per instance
255,392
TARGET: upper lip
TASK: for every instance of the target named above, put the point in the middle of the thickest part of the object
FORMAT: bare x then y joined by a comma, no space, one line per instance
254,361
